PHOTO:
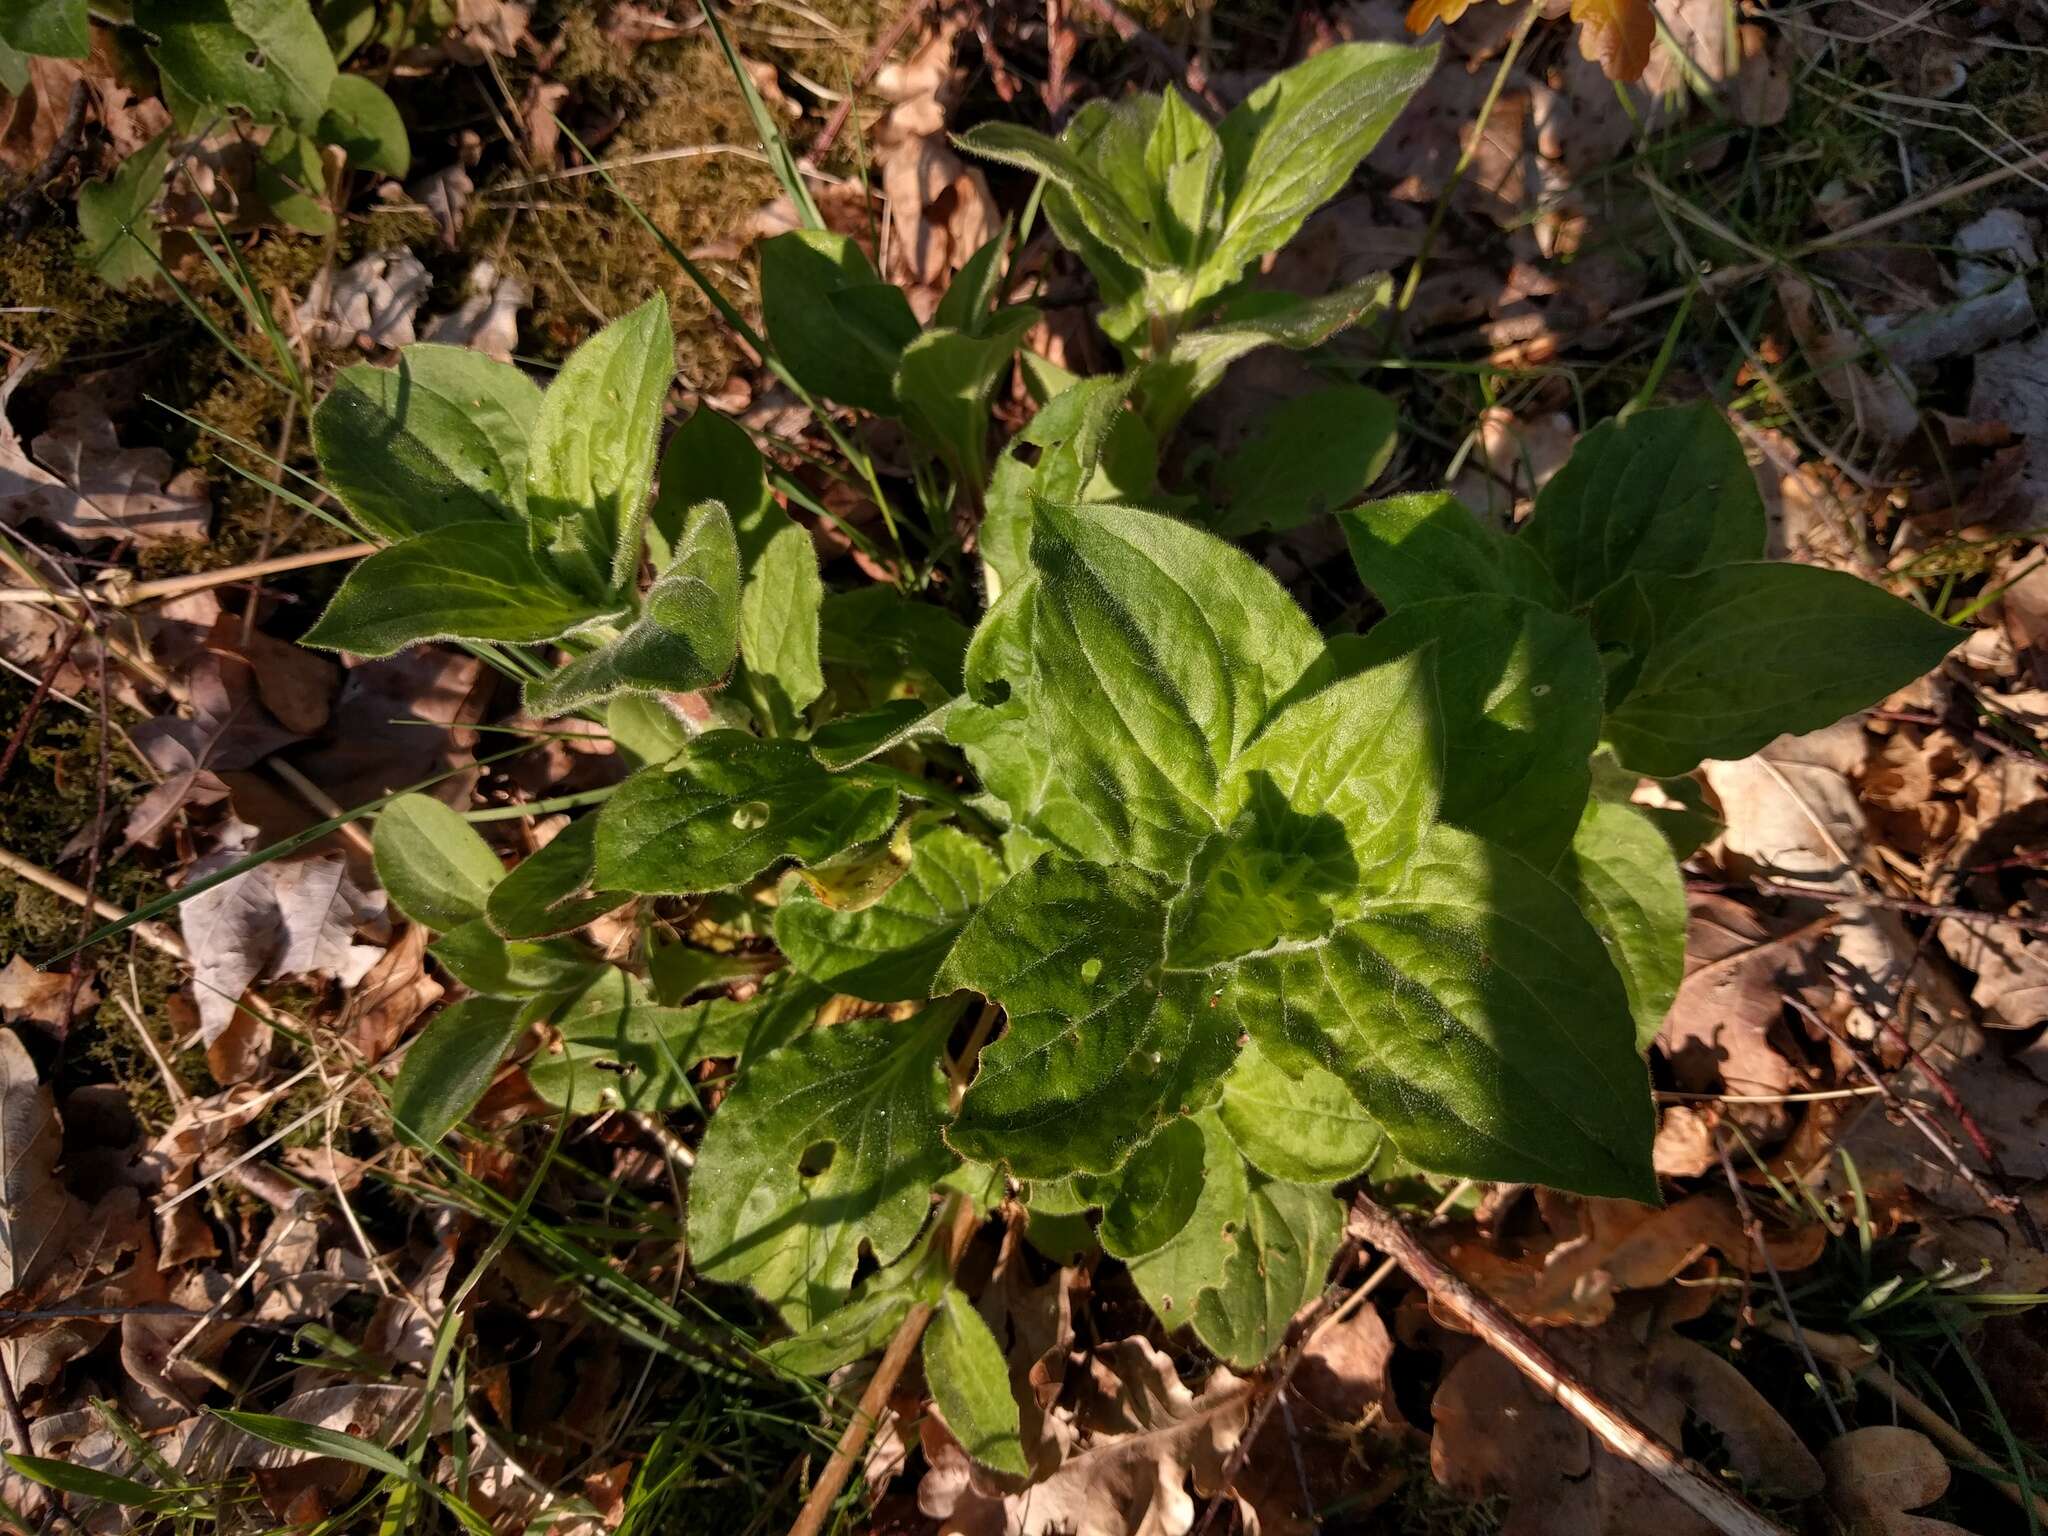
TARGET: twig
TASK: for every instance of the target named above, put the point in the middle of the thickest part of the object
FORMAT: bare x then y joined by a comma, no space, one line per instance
155,935
322,802
1859,1365
44,685
871,66
120,595
1614,1427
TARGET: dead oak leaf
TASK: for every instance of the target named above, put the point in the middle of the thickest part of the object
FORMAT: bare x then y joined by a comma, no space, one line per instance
1616,34
1876,1476
43,998
1495,1433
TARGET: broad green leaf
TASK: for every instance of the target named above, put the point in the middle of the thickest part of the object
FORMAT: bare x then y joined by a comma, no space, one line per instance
365,122
1306,457
1157,650
880,643
1100,206
942,385
438,440
1146,1202
712,459
14,69
1519,688
779,605
1196,361
1725,661
825,1145
118,238
854,739
52,29
645,729
1362,756
1664,492
678,972
866,1322
843,353
731,806
1411,549
549,891
1621,870
496,967
447,1069
1292,144
470,581
268,57
590,462
1100,1049
891,950
613,1046
965,304
1279,1258
432,863
1092,449
684,638
1183,160
289,178
970,1382
1173,1278
1306,1127
1477,1017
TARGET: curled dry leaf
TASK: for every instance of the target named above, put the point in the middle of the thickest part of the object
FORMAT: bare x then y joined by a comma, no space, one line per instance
487,320
371,302
1495,1433
1610,1246
47,999
227,729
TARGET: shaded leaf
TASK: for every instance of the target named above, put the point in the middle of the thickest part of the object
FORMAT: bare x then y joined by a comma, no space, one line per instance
447,1069
970,1384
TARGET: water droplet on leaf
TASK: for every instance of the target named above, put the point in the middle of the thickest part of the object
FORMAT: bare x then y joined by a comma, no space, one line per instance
751,816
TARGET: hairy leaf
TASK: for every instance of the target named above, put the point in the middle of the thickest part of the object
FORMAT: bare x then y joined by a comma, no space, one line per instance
591,458
845,352
686,634
731,806
970,1382
1519,688
471,581
1478,1019
1725,661
439,439
447,1069
118,238
365,122
1292,144
1664,492
1157,650
1278,1259
1306,457
432,863
892,949
827,1144
780,601
549,892
1146,1202
268,57
1411,549
1307,1127
1172,1278
1620,868
516,968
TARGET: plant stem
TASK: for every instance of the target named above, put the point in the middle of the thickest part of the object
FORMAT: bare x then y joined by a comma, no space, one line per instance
1614,1427
198,581
867,1414
153,934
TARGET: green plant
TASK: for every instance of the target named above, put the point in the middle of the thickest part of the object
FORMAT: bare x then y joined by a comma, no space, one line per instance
272,63
1146,898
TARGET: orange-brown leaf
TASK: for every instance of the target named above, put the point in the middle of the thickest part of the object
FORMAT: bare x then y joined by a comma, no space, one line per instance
1424,12
1616,34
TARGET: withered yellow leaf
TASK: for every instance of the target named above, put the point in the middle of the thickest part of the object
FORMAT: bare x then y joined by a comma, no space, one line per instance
1615,34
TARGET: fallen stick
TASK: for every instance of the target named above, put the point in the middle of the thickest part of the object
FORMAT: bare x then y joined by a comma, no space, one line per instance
126,594
1613,1426
153,934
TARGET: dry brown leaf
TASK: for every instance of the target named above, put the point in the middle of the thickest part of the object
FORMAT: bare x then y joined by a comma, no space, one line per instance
1148,1438
31,122
487,320
77,477
37,1213
1612,1246
290,917
394,993
228,729
371,302
1876,1475
2012,971
296,685
47,999
1495,1433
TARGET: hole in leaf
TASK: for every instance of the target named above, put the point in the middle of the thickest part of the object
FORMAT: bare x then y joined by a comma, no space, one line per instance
816,1159
254,59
